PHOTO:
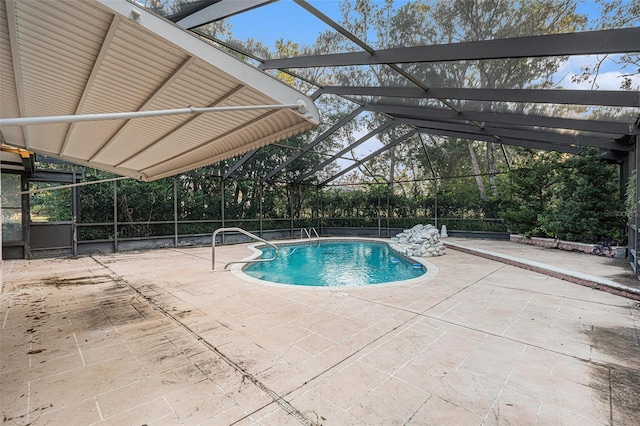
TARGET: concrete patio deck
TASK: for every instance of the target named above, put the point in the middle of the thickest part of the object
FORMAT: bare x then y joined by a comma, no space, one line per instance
155,338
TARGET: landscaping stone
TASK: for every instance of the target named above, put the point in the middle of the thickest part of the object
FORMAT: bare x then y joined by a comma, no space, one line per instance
419,241
595,249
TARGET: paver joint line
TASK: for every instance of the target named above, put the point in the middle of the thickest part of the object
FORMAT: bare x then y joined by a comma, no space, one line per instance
610,397
424,314
493,404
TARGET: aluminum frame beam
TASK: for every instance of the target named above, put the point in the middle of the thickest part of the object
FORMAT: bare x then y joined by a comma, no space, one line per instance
189,8
525,134
357,143
430,113
572,97
557,138
333,24
354,39
612,155
313,143
220,9
239,163
388,146
506,141
488,126
583,43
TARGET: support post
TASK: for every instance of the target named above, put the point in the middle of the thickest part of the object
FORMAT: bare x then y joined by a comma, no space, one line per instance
291,210
318,222
74,215
261,194
321,213
378,210
388,210
221,209
435,204
175,212
625,172
115,216
25,205
635,220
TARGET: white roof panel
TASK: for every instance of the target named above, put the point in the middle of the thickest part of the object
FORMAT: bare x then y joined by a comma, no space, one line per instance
72,57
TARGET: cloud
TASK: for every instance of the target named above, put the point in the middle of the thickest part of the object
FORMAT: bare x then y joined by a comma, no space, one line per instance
609,77
606,81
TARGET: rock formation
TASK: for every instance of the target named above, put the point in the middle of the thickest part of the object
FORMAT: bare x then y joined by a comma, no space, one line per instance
420,241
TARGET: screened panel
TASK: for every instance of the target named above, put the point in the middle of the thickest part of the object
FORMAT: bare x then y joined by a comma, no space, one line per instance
11,208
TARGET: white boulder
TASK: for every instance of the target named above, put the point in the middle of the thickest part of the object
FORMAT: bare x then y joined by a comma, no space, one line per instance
420,241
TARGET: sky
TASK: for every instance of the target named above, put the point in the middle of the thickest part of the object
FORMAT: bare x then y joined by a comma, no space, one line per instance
284,19
301,26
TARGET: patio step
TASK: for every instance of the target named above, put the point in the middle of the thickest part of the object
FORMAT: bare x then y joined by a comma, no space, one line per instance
586,280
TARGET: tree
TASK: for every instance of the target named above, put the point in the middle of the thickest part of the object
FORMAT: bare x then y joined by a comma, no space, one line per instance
528,192
383,25
588,206
473,20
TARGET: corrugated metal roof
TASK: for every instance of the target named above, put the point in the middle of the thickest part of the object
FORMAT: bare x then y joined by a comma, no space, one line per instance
72,57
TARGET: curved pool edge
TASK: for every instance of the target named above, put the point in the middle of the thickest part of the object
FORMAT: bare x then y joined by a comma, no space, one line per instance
236,268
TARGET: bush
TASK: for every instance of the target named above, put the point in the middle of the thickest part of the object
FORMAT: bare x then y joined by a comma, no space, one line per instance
529,193
574,198
588,204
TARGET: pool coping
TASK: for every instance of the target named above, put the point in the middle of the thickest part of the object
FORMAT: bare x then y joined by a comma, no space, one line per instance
586,280
236,269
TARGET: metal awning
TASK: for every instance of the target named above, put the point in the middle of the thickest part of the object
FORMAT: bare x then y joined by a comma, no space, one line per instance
74,58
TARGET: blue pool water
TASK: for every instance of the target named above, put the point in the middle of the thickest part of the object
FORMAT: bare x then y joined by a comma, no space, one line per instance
334,263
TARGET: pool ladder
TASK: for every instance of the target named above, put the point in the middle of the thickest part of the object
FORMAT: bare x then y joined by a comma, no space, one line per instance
248,234
308,232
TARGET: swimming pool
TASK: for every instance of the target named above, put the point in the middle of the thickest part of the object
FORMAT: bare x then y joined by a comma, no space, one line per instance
333,264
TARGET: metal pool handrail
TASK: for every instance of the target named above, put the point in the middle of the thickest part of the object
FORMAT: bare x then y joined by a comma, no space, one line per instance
304,231
308,232
248,234
315,232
